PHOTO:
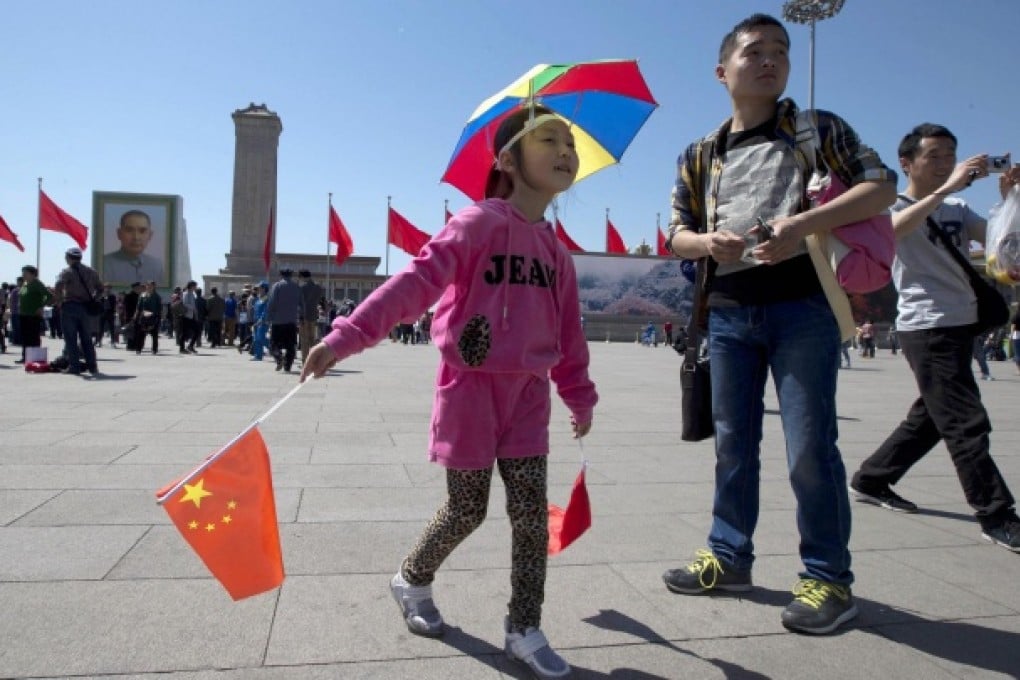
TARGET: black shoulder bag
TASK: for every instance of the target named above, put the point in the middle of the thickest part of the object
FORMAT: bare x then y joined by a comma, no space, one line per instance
992,310
93,307
696,378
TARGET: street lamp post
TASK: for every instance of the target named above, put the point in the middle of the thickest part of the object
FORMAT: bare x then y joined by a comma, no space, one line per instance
810,12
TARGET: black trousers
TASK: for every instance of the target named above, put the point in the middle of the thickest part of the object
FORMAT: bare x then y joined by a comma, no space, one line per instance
284,343
31,331
949,409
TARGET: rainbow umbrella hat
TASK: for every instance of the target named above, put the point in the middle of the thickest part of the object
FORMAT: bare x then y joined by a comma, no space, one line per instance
604,102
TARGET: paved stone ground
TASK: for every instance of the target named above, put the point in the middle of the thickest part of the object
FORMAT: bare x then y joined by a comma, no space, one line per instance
95,582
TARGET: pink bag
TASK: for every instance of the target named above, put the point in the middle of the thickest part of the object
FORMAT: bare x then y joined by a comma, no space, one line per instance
860,253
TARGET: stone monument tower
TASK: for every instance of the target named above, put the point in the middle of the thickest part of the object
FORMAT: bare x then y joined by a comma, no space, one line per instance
257,132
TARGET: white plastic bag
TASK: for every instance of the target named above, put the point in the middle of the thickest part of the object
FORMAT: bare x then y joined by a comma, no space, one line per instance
1002,249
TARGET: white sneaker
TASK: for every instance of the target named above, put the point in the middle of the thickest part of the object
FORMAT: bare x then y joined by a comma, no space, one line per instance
532,648
415,602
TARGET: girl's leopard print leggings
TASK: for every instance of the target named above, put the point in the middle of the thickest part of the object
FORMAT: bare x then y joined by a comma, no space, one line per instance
463,512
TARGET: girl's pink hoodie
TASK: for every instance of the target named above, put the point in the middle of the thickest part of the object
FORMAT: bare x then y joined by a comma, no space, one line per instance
489,268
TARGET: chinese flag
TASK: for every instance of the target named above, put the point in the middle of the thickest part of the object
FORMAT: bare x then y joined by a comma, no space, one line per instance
561,234
267,249
7,235
565,526
614,244
405,235
52,218
338,235
227,514
662,243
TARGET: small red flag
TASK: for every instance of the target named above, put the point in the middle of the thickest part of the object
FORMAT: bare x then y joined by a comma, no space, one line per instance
561,234
338,235
227,514
7,235
614,244
405,235
52,218
662,243
565,526
267,249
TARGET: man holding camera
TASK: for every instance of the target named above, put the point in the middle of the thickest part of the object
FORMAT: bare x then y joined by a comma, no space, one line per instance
937,311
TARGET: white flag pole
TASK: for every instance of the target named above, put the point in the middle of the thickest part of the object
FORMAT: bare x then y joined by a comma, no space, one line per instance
226,447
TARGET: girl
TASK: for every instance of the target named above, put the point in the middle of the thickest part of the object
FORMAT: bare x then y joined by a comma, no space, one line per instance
507,321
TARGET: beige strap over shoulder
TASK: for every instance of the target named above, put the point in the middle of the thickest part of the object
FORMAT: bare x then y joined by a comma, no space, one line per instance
808,144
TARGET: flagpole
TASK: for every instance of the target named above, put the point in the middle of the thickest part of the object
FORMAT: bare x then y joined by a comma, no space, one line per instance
388,208
607,230
446,209
329,217
38,224
214,457
658,230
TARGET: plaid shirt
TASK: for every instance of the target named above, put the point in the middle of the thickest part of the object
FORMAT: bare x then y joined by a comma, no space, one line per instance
841,151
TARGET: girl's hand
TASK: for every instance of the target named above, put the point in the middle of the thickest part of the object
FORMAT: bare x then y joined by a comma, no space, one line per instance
581,430
320,359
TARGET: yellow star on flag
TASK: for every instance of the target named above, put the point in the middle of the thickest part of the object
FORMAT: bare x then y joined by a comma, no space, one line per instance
195,493
231,505
227,519
210,527
192,524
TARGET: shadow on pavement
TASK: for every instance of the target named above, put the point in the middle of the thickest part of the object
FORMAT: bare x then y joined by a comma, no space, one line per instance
610,619
956,641
495,658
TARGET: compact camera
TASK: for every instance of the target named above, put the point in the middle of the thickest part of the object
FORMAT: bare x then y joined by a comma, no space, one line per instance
998,163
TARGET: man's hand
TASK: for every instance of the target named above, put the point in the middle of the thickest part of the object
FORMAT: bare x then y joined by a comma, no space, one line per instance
786,239
724,246
1008,180
320,359
965,173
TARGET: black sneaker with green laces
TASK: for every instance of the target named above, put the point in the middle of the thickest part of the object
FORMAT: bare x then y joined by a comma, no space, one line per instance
819,607
706,574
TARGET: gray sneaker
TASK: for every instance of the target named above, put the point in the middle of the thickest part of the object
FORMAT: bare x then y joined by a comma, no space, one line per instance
532,648
818,607
415,602
705,574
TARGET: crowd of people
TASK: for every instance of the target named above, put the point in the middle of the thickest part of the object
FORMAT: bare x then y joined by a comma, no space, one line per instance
85,313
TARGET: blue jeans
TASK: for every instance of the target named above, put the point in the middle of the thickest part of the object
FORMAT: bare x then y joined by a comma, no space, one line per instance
77,327
799,342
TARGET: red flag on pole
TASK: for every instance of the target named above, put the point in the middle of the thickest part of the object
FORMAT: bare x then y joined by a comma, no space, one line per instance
338,235
662,243
405,235
267,250
52,218
614,244
565,526
227,514
7,235
561,234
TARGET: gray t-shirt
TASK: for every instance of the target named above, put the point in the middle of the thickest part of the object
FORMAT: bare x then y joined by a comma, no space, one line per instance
934,291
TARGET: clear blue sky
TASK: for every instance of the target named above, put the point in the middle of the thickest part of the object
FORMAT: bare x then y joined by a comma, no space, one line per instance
137,97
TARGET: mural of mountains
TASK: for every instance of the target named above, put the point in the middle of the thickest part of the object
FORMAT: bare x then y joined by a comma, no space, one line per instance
632,285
